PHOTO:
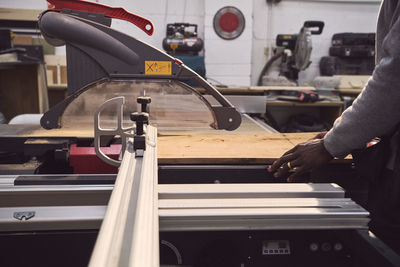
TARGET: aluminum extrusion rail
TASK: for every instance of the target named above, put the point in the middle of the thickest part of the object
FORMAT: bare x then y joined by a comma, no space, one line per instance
204,207
129,232
182,191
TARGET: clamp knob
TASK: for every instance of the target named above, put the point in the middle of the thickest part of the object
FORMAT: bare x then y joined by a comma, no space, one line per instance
144,101
140,118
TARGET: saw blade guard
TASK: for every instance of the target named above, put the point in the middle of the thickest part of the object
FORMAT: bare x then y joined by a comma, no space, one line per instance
101,59
174,106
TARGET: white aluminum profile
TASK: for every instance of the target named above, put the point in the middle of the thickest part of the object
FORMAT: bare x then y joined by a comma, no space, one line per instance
50,218
196,191
129,233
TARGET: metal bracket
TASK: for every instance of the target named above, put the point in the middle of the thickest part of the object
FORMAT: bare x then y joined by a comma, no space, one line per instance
124,133
24,215
139,140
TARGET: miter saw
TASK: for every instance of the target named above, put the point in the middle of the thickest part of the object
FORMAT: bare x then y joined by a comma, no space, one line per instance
294,51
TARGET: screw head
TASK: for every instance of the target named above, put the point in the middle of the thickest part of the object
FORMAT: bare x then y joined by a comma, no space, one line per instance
144,100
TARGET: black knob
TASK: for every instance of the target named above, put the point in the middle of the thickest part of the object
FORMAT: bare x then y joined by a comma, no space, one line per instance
140,118
144,101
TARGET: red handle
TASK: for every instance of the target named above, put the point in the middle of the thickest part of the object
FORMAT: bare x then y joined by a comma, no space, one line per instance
112,12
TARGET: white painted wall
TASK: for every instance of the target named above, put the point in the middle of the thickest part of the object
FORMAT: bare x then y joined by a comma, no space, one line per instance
228,61
239,62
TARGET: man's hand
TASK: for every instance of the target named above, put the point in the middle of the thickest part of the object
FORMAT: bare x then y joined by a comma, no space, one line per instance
300,159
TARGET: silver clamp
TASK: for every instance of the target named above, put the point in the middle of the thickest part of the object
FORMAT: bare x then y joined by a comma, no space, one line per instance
124,133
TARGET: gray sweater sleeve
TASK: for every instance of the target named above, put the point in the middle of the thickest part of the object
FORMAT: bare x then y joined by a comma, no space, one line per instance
376,111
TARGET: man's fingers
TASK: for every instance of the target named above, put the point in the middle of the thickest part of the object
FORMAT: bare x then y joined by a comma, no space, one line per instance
296,162
284,169
293,149
302,158
291,177
297,171
278,163
290,165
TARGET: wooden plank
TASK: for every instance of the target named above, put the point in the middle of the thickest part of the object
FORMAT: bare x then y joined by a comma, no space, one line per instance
222,149
260,148
297,138
229,149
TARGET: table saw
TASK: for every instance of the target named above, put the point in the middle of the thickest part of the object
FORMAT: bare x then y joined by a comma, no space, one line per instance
136,168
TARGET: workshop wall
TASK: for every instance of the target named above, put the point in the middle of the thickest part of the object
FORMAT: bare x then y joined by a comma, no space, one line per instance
160,12
288,17
228,61
239,62
221,64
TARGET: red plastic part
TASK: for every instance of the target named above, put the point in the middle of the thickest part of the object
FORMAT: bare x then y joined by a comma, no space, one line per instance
111,12
229,22
178,61
85,161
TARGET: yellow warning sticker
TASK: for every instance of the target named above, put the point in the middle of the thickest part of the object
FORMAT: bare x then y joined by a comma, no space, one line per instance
158,68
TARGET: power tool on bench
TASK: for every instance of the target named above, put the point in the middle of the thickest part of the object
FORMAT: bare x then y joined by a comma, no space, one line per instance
294,51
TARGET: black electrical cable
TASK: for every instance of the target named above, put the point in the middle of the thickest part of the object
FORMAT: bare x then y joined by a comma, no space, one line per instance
266,67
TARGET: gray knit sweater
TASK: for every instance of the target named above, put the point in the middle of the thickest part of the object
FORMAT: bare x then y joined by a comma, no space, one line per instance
376,111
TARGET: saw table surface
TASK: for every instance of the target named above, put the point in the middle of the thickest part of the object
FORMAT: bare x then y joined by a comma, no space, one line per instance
243,146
